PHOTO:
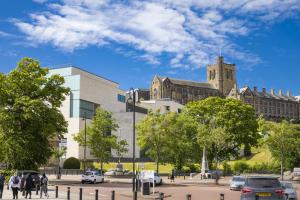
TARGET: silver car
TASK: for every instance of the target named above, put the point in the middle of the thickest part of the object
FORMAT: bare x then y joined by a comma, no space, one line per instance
237,183
289,191
262,188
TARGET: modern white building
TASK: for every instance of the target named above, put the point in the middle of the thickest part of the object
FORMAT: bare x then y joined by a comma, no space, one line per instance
89,91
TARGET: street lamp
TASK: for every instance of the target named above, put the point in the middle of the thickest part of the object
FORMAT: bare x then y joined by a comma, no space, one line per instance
131,99
84,151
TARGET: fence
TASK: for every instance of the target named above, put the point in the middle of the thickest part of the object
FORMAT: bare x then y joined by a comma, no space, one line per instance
69,194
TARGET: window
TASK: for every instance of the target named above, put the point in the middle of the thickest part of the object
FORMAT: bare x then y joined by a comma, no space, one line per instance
121,98
88,109
167,108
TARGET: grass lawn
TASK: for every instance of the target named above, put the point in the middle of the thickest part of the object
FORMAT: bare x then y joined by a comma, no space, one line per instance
167,168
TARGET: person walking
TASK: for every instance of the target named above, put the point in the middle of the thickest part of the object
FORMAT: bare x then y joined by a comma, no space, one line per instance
14,184
172,176
29,184
2,182
44,186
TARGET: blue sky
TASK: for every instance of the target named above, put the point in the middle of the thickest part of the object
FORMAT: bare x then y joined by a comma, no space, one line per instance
130,41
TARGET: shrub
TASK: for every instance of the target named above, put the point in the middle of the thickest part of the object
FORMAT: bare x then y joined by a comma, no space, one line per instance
72,163
227,169
240,167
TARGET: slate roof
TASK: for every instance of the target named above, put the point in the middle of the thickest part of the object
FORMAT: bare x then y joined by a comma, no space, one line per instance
268,95
187,83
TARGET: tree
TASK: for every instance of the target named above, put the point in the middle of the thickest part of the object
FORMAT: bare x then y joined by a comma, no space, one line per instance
284,143
229,119
121,148
151,137
57,154
98,137
180,131
29,114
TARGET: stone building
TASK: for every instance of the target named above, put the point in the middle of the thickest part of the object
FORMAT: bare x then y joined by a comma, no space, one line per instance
221,81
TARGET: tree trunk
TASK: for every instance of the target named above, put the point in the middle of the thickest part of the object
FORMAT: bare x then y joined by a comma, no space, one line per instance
281,168
101,165
157,167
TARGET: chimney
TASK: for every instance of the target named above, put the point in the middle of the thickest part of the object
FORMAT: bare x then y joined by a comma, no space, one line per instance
288,93
272,92
280,92
255,89
264,90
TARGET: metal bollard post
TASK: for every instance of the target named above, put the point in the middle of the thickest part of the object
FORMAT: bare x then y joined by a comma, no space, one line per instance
135,195
68,193
96,195
80,193
188,197
56,192
113,195
222,196
161,196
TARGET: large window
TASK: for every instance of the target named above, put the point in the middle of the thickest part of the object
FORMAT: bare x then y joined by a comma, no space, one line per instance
87,109
121,98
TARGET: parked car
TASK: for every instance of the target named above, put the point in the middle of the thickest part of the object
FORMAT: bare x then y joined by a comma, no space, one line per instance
237,183
262,187
289,191
92,177
157,179
110,172
296,174
34,174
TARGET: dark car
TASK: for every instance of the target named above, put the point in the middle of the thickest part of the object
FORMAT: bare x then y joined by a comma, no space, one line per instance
34,174
262,188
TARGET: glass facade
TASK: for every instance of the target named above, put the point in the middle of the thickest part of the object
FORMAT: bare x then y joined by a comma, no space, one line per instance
87,109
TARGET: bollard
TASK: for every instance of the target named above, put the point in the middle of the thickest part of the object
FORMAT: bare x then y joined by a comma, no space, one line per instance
222,196
80,193
96,195
188,197
56,192
135,195
68,193
113,195
161,196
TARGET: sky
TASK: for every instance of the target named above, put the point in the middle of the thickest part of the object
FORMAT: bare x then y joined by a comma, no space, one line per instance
130,41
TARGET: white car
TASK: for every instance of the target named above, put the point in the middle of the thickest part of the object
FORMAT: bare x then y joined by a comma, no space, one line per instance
92,177
289,191
110,172
237,183
157,179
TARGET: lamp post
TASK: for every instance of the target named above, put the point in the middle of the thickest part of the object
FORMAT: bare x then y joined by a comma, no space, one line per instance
84,150
132,100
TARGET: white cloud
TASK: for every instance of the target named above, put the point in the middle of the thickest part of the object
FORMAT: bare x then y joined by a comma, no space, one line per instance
192,31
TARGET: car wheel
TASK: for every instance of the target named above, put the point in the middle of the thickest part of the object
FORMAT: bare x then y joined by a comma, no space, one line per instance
286,197
95,181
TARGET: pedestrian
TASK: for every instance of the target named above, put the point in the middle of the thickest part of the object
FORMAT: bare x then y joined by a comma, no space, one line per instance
29,184
2,182
172,176
22,184
37,182
44,186
14,184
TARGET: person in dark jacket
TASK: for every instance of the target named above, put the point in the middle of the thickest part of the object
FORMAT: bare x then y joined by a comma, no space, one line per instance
2,182
29,184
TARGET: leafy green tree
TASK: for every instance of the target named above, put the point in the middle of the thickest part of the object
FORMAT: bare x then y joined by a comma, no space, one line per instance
284,143
224,120
121,148
29,114
98,138
180,131
151,137
57,153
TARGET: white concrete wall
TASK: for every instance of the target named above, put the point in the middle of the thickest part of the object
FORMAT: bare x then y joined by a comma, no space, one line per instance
155,105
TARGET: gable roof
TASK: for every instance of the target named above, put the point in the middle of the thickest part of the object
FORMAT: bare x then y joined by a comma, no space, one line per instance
187,83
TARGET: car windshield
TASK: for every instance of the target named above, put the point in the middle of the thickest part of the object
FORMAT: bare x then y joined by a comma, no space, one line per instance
238,179
287,185
88,173
263,182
